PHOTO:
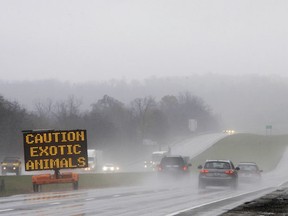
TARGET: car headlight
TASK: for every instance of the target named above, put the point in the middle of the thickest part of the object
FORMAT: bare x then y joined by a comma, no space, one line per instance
104,168
4,168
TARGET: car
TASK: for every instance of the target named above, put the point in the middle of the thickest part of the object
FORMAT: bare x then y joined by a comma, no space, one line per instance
155,160
249,172
173,166
109,167
11,165
218,173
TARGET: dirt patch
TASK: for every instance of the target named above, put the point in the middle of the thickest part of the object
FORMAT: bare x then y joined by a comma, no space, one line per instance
275,203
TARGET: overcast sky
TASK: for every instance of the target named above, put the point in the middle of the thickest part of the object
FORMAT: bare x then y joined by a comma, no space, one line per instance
134,39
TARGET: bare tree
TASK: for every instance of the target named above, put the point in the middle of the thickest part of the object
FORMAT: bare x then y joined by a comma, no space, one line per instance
67,113
141,109
193,107
13,119
44,113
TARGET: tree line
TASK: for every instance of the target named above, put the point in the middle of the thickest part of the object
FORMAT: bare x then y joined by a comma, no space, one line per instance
110,123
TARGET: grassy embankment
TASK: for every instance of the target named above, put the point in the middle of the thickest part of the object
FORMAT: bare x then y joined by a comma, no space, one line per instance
266,151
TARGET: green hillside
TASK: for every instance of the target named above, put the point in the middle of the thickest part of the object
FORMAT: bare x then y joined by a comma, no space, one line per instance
266,151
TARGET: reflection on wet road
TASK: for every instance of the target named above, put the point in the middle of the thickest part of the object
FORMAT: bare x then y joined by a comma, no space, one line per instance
155,198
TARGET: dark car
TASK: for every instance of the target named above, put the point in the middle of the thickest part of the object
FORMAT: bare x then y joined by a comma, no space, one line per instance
249,171
155,160
218,173
173,166
11,165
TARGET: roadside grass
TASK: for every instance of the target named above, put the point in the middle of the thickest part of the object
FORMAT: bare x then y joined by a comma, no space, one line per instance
16,185
266,151
23,184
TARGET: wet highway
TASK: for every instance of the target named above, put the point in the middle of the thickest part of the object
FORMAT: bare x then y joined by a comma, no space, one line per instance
155,198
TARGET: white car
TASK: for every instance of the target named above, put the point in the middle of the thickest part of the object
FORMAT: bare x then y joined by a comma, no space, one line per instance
108,167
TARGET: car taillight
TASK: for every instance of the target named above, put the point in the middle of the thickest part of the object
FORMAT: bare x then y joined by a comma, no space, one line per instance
184,168
229,172
204,171
159,168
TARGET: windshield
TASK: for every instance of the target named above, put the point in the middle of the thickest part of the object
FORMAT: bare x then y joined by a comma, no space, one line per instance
217,165
248,168
11,160
172,161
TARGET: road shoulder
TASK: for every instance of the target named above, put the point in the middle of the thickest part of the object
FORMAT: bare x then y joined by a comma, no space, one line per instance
275,203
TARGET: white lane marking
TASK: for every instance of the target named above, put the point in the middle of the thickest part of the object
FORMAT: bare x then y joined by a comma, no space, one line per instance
282,184
5,210
88,199
116,195
56,203
226,198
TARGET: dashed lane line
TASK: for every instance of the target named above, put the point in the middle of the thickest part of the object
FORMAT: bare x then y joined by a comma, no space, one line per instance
5,210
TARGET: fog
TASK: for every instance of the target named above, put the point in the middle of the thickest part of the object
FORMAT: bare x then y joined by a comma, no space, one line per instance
245,103
100,40
230,54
